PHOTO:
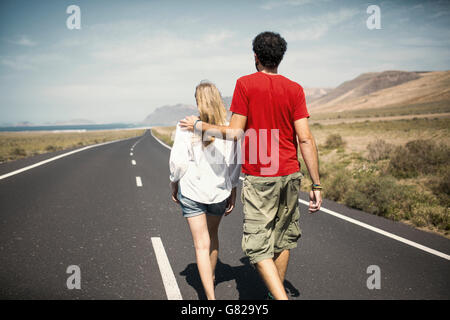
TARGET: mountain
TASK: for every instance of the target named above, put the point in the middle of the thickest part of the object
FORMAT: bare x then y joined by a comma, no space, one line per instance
24,124
350,94
312,94
169,115
367,91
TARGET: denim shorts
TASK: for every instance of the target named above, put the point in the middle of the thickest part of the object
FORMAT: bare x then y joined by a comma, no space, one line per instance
193,208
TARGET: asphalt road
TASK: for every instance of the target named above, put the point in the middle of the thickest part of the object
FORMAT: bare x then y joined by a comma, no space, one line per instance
87,210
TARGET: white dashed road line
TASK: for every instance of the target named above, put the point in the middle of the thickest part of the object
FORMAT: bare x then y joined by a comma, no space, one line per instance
168,277
133,162
138,181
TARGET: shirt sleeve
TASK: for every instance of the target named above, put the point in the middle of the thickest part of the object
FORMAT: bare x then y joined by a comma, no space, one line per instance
179,155
234,163
239,103
300,110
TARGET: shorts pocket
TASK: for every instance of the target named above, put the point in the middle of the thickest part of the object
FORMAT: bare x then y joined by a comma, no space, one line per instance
255,241
294,232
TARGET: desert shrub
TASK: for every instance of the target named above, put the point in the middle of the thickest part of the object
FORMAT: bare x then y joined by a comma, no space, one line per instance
425,215
418,156
375,194
379,150
444,183
50,148
19,152
440,185
337,186
334,141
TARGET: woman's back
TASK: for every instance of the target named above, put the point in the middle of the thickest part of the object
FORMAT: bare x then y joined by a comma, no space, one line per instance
206,173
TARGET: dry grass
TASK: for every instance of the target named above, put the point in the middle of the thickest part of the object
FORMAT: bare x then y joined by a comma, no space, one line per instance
16,145
165,134
385,113
369,162
359,134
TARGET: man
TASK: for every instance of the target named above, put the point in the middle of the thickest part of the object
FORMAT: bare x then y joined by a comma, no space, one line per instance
273,109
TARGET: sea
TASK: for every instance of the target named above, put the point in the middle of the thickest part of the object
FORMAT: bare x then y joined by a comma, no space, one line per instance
78,127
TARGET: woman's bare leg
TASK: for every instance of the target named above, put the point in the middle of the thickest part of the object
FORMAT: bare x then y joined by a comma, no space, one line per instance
200,236
213,229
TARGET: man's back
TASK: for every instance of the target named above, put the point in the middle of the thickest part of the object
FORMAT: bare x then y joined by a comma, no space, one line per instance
271,103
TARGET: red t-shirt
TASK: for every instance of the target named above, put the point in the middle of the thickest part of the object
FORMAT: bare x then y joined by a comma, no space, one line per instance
271,104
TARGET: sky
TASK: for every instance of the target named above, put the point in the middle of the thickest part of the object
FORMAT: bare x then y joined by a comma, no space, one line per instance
131,57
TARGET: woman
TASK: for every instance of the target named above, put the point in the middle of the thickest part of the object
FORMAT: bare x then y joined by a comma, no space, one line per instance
204,173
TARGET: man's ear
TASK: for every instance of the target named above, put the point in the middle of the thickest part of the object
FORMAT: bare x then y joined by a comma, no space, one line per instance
257,62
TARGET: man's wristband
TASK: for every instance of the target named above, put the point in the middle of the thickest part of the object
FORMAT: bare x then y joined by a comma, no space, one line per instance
315,186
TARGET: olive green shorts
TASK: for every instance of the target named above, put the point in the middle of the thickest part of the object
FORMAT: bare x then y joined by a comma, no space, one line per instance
271,215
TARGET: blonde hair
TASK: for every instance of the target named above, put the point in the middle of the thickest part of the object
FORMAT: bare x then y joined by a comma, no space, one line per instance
210,106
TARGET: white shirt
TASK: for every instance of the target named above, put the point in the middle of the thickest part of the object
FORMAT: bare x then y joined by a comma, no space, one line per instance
205,174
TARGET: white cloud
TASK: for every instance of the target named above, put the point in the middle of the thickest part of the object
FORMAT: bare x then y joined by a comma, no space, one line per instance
15,64
275,4
32,61
317,26
23,41
311,33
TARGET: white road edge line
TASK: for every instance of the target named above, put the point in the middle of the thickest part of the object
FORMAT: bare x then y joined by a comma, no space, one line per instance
138,181
37,164
162,143
133,162
168,277
365,225
380,231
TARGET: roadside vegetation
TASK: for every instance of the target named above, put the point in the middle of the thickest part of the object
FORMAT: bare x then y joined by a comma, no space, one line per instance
165,134
391,111
396,169
16,145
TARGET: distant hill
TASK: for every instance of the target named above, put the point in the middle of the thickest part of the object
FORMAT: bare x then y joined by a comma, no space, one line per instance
312,94
23,124
363,85
367,91
169,115
383,89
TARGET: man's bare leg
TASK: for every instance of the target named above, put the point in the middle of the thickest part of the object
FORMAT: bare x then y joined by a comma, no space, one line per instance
271,277
281,260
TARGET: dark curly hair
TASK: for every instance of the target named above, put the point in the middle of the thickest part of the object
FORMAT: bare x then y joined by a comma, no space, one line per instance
269,47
